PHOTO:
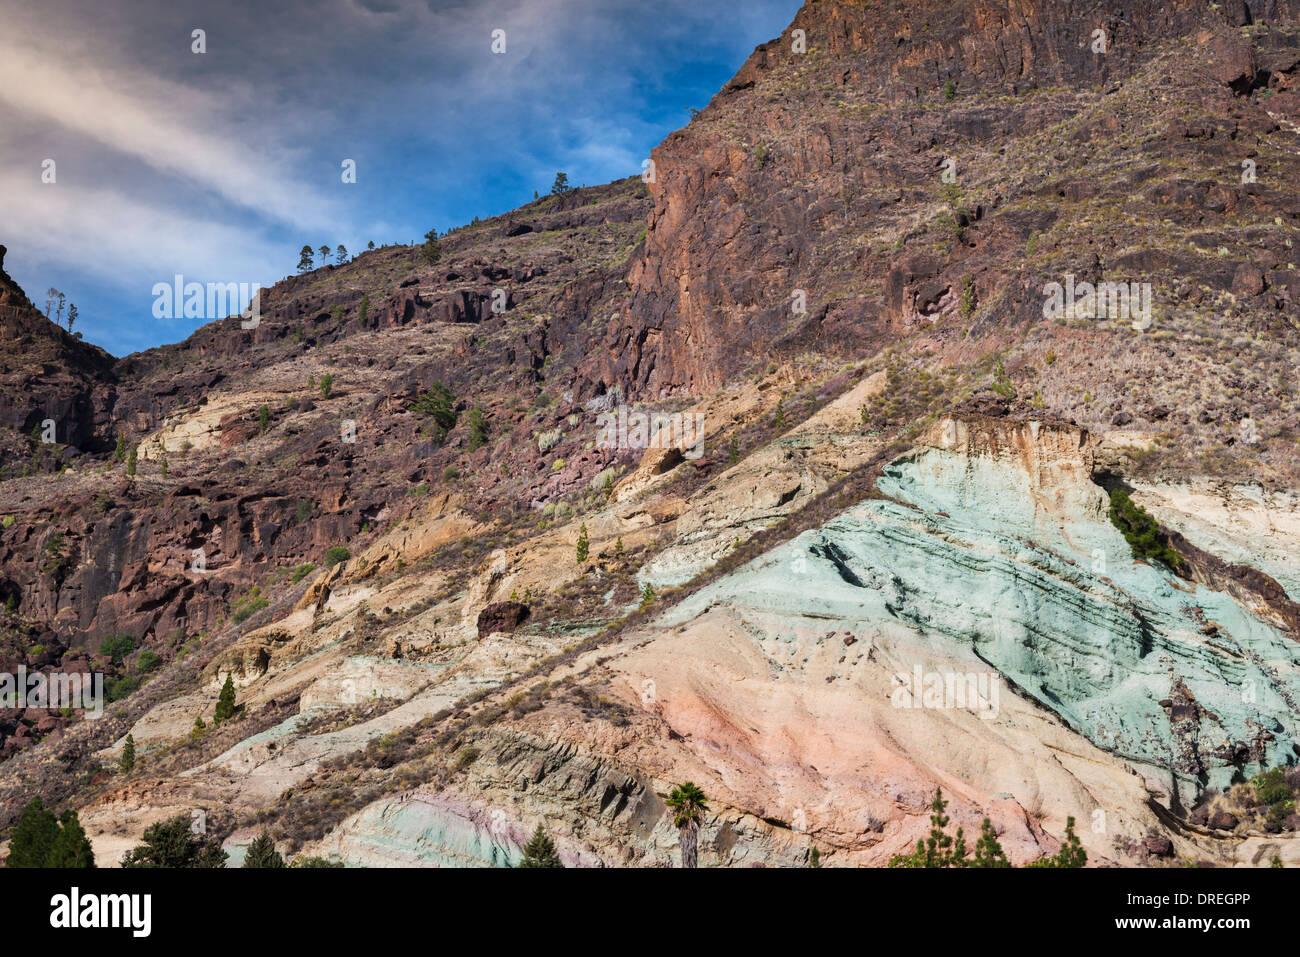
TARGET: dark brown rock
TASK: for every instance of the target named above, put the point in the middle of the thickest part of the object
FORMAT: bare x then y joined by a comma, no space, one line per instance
503,616
1222,821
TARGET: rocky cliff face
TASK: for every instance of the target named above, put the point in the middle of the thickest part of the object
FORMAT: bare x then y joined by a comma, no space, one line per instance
888,564
46,374
923,171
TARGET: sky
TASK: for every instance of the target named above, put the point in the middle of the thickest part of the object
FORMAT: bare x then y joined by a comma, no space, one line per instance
220,165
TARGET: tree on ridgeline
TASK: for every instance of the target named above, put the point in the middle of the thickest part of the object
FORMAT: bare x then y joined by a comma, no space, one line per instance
431,250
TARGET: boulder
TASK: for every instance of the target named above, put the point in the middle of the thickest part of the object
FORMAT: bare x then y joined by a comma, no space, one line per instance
502,616
1222,821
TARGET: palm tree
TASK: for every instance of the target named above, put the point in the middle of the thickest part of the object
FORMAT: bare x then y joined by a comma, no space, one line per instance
690,805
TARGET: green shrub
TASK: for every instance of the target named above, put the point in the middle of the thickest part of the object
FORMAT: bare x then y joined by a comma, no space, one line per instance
477,428
148,661
335,555
1271,787
115,689
439,404
302,571
117,646
252,603
1002,382
225,709
584,545
1141,531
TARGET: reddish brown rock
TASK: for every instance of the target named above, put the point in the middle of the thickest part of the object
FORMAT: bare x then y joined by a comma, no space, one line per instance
503,617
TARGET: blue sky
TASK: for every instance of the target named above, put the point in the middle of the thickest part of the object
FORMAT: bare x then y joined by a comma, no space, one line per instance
221,165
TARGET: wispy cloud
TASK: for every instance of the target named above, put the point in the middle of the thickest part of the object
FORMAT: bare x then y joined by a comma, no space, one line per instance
223,164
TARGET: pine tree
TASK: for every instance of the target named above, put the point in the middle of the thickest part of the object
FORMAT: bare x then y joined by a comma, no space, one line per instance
561,184
988,852
431,250
162,466
225,702
584,546
119,453
263,418
939,849
262,853
304,259
477,428
324,256
131,460
326,385
647,595
815,858
779,420
1071,853
364,309
618,546
540,851
439,404
33,839
199,728
342,254
72,316
72,847
171,844
127,761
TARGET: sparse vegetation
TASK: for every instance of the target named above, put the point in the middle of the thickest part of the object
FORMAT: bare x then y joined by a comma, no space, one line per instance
1141,531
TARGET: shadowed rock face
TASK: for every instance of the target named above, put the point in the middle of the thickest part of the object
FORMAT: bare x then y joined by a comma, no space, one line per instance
811,171
46,373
